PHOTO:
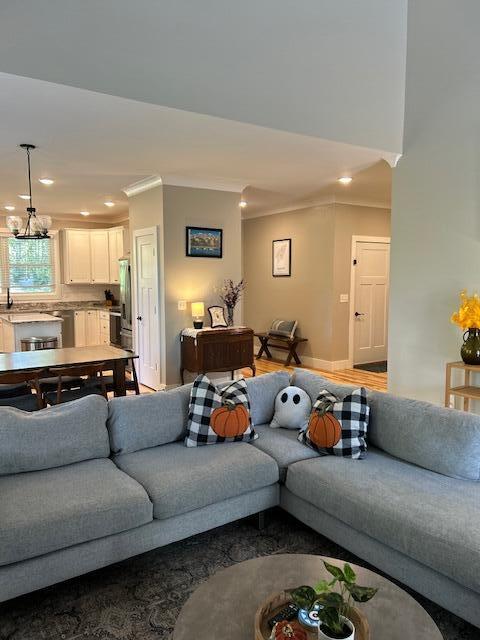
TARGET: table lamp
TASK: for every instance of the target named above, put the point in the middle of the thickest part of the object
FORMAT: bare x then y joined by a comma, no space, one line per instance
198,311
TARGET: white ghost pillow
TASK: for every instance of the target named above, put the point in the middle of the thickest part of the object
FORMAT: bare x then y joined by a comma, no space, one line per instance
292,409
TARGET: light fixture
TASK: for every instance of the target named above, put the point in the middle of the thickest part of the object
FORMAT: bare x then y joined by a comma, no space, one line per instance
46,181
198,311
242,204
109,203
24,196
36,227
84,213
345,180
9,207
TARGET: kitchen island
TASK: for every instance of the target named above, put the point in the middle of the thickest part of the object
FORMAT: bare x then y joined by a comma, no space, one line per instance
16,326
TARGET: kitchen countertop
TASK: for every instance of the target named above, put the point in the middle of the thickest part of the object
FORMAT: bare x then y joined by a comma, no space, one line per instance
23,318
45,307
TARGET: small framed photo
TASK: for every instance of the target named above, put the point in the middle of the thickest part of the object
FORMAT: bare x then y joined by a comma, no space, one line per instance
203,242
282,258
217,317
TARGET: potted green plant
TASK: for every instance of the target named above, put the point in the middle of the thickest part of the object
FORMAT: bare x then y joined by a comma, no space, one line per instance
334,599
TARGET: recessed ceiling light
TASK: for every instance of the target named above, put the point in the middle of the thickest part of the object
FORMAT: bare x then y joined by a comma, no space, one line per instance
345,179
109,203
47,181
24,196
9,207
242,204
84,213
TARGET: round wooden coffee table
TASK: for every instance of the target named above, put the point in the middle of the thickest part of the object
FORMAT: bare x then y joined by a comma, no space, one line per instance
224,606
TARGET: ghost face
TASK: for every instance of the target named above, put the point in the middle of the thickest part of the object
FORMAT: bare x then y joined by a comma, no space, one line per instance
292,409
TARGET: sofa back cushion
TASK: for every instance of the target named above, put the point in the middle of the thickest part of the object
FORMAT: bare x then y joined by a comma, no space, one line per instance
442,440
314,384
53,437
148,420
262,391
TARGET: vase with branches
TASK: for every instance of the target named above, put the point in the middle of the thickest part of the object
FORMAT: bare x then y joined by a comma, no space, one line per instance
230,293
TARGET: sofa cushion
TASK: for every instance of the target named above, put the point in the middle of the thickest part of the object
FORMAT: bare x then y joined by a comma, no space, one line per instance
427,516
148,420
53,437
282,445
262,391
179,479
43,511
314,384
443,440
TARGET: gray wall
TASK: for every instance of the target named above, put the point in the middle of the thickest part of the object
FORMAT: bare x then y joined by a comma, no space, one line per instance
436,195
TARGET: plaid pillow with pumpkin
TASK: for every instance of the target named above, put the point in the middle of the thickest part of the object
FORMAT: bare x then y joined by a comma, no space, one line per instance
338,427
218,414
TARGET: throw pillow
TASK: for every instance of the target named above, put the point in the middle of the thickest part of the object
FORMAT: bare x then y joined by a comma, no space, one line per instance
338,427
292,409
218,415
285,328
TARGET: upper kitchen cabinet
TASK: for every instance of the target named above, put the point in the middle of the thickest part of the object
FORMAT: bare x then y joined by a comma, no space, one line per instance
115,250
76,256
90,256
100,264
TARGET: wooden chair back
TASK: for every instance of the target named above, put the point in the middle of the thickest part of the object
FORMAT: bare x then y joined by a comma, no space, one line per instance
31,377
91,371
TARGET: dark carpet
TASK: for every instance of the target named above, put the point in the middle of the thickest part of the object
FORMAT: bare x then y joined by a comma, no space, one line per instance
374,367
140,598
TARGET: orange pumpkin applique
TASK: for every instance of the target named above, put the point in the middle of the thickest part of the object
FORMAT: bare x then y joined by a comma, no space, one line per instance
230,419
324,430
286,630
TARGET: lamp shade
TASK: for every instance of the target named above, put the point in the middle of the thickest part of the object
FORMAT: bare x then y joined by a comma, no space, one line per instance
198,310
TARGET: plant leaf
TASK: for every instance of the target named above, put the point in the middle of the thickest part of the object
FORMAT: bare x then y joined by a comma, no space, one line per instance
322,586
303,596
361,594
349,574
330,617
330,599
335,571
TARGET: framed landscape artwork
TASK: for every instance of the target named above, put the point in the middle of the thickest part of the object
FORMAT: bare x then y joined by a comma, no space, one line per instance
203,242
282,258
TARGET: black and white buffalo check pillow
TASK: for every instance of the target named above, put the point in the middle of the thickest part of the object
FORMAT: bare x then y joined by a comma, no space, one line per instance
338,427
218,415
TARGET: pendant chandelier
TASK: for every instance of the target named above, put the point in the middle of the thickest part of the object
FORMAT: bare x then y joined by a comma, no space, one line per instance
36,227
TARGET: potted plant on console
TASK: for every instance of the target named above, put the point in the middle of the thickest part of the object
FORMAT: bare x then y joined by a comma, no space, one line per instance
333,603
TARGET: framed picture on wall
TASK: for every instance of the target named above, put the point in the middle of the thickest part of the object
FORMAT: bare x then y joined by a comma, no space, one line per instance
282,258
203,242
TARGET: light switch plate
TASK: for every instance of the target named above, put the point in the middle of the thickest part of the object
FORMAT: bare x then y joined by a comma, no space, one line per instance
344,297
182,305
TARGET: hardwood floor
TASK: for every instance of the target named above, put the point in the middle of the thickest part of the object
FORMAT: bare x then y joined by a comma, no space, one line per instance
356,377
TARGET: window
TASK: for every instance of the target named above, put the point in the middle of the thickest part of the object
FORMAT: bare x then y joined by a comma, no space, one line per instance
27,266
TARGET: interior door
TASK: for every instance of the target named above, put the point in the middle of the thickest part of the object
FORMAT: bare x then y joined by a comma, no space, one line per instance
146,324
371,302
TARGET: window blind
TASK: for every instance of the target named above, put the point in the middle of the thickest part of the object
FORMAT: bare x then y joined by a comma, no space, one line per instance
27,266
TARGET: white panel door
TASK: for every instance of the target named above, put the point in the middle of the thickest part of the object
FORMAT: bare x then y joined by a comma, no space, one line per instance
100,259
147,327
371,302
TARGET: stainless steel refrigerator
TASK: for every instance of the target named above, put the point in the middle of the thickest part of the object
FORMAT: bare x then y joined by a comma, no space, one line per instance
125,303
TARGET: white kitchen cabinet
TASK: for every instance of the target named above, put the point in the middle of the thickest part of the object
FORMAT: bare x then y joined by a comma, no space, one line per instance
100,266
92,328
76,256
115,250
80,328
104,327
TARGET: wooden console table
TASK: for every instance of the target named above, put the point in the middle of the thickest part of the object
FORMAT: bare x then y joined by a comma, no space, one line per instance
217,350
467,391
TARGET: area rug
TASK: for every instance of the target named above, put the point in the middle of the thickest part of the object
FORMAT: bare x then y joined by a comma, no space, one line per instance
140,598
374,367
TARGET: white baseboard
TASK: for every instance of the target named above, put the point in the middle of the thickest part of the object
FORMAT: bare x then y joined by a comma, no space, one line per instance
315,363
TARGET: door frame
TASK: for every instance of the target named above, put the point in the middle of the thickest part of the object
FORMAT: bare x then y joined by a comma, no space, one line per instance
351,311
159,329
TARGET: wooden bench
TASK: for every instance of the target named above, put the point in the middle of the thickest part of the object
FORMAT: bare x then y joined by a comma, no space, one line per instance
283,343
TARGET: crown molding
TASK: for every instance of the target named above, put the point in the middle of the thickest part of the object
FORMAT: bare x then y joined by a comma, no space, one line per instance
215,184
142,185
319,202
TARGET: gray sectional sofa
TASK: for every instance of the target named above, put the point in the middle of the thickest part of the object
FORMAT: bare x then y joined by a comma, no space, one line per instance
90,483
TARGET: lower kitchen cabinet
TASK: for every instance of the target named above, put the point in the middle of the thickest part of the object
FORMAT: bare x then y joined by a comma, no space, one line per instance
87,328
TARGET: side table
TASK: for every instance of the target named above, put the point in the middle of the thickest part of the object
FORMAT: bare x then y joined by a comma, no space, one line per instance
467,391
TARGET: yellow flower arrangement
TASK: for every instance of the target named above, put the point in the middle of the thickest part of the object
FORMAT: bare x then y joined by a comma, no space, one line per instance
468,314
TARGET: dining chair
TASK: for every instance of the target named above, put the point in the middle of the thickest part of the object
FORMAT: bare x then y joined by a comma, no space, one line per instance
93,383
21,385
131,383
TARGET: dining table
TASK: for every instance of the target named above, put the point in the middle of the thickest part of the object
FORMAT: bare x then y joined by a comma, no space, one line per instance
20,361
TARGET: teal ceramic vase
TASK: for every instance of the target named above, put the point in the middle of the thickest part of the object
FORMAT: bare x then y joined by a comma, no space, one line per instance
470,350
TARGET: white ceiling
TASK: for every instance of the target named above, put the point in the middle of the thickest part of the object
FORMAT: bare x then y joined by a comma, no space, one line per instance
94,144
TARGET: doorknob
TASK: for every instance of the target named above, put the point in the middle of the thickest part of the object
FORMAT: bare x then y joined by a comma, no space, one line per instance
358,314
139,318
